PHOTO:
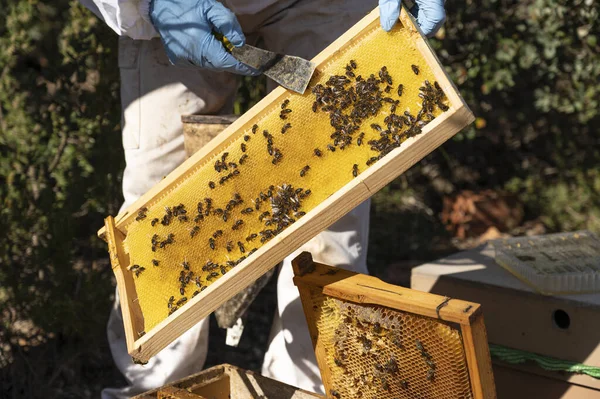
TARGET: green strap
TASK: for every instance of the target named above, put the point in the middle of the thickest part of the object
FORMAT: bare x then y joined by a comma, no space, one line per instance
516,356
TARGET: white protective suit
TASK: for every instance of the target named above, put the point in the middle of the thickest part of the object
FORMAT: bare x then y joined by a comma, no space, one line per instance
154,95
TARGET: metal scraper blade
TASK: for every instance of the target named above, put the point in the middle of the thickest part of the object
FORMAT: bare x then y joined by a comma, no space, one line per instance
291,72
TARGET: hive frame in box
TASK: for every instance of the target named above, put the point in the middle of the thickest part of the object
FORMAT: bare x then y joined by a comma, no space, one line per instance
367,290
142,347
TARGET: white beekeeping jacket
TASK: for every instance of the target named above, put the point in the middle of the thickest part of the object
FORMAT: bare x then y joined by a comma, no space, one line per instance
130,17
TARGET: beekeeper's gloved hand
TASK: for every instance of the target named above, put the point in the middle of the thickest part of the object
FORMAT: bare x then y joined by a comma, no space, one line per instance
185,27
430,14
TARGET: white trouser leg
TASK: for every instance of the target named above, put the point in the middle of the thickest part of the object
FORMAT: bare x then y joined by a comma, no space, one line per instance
304,30
154,95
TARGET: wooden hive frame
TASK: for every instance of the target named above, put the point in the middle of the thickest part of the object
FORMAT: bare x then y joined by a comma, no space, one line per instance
227,382
143,344
367,290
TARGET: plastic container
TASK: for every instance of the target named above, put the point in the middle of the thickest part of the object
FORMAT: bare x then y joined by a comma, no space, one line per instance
564,263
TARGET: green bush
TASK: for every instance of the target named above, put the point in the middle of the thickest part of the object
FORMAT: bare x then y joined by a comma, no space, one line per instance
530,72
60,168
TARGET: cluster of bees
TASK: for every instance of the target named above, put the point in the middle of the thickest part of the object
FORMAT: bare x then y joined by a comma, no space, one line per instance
349,100
284,205
360,336
427,358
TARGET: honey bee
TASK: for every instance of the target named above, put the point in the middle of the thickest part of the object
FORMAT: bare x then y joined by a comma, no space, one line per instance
243,159
241,247
223,270
353,64
254,128
211,243
237,224
247,211
285,127
335,393
355,170
284,112
285,103
243,147
181,301
431,375
217,234
246,137
141,214
377,328
209,266
442,106
315,106
211,276
430,363
376,127
194,231
360,138
154,221
155,262
251,237
185,264
385,385
183,218
404,384
400,89
182,290
195,293
371,161
419,346
170,303
330,148
304,171
318,152
415,69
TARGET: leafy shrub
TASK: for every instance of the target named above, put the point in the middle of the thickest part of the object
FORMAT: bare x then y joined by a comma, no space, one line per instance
60,163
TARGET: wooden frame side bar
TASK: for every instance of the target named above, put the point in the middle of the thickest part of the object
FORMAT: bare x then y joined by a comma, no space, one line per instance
478,357
319,348
133,321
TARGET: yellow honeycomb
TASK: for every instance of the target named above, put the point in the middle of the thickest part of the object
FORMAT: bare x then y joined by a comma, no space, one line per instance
159,263
377,352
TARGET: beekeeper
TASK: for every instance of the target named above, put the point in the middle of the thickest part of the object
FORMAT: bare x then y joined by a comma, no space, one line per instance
171,64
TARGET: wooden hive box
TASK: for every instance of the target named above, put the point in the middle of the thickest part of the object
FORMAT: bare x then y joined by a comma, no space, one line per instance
227,382
558,326
335,184
377,340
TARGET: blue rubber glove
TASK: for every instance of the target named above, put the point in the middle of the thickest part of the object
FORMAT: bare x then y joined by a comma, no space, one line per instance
430,14
185,27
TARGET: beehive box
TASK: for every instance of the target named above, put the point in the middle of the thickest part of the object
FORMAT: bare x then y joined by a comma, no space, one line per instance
227,382
284,171
377,340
